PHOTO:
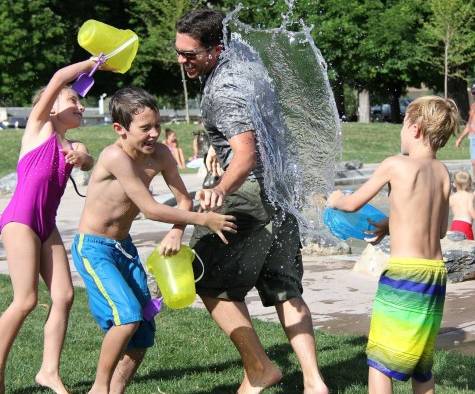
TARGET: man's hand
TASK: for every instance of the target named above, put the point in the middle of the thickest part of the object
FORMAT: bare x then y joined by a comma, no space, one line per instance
333,198
75,158
212,163
171,243
376,236
210,198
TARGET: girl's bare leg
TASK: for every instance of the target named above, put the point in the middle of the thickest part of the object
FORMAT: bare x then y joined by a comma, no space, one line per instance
54,269
378,382
22,247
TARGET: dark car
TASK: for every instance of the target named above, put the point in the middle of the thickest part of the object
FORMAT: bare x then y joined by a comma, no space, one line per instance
14,122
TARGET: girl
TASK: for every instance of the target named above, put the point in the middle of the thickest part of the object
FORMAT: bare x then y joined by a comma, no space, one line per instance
28,228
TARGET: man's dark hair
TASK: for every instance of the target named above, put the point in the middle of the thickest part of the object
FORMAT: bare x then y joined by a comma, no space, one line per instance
203,25
127,102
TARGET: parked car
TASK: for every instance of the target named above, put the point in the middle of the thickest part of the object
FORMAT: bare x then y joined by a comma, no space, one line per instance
14,123
382,112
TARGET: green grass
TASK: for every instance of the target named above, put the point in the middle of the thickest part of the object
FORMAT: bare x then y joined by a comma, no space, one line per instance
192,356
369,143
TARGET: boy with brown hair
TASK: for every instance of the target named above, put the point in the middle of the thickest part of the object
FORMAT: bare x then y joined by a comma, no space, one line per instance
103,252
407,311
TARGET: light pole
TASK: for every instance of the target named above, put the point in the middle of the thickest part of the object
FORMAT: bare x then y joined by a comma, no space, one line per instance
101,103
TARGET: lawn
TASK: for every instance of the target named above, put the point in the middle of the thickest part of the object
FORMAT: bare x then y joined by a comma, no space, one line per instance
369,143
191,356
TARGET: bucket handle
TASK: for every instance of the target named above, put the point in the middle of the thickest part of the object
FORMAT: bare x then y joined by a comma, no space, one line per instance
122,47
202,266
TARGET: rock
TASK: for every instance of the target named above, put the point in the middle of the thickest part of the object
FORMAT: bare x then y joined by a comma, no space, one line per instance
458,254
8,183
323,243
372,261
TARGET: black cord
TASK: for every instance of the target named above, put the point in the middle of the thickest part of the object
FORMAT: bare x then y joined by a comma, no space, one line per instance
76,187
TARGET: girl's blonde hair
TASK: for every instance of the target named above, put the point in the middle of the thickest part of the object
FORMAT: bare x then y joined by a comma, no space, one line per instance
437,118
40,91
463,181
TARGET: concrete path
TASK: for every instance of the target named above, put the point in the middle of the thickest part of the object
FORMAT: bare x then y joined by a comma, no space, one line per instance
340,300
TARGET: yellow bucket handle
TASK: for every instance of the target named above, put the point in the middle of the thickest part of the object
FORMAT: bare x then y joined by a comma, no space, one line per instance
127,43
202,265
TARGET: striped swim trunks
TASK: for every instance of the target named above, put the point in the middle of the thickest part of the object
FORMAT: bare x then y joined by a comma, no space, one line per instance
406,318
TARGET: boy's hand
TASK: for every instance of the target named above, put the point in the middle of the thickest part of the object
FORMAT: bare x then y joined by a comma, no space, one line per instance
375,236
210,198
171,243
333,198
75,158
218,223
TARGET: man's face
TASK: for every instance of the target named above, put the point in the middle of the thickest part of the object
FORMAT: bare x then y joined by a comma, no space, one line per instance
195,58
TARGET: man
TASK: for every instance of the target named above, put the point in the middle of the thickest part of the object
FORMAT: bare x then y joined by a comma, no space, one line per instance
470,130
266,251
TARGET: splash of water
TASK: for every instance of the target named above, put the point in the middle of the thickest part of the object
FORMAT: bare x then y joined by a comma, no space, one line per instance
299,157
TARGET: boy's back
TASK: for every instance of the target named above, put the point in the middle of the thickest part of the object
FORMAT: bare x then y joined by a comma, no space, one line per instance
419,198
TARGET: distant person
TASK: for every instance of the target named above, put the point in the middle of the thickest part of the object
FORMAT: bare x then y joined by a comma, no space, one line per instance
103,251
171,141
407,311
470,131
461,203
28,224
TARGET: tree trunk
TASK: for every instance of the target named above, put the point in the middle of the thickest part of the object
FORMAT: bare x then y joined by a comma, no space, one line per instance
185,92
457,90
363,106
339,94
395,108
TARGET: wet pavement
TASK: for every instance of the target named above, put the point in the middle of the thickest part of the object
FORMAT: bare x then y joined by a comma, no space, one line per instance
340,300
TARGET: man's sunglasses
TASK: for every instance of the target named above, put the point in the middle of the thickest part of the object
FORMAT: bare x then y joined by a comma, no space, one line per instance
191,55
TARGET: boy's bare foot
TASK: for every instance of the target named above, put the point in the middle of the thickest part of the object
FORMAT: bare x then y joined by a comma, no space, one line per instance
260,381
53,382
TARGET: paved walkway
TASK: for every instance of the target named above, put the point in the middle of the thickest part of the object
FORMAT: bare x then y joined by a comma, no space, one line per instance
339,299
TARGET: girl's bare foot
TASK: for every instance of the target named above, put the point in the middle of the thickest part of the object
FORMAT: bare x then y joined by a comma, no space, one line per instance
52,382
260,380
319,388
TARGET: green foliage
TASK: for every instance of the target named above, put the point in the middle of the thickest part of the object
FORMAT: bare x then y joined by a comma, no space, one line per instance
448,36
32,44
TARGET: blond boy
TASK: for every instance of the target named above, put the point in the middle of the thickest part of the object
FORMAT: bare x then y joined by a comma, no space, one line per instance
408,308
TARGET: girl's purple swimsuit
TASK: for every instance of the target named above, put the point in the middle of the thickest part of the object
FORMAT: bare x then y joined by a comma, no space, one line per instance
42,177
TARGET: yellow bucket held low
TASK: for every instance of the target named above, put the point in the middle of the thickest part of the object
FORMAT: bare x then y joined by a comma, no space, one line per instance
119,46
174,276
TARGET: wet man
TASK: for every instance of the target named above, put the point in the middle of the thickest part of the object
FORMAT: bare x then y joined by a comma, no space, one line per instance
266,251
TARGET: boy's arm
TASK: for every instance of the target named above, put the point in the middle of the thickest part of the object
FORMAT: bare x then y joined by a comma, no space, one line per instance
41,111
171,243
117,163
353,202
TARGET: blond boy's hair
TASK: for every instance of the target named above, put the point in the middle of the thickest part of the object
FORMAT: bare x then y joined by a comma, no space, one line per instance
437,118
463,181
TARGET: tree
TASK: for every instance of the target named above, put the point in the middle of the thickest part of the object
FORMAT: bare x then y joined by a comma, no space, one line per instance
448,38
33,46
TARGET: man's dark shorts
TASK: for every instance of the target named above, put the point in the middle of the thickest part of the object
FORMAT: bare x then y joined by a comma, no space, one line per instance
265,253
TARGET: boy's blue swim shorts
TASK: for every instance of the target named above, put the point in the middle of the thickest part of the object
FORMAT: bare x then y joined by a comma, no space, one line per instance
116,284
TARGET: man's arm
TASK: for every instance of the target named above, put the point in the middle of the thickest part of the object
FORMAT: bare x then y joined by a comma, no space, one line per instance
171,243
468,127
243,161
353,202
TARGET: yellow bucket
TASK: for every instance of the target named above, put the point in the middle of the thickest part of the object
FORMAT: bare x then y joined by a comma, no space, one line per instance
174,276
119,46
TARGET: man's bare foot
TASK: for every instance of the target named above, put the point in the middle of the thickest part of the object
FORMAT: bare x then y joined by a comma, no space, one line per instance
53,382
261,380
